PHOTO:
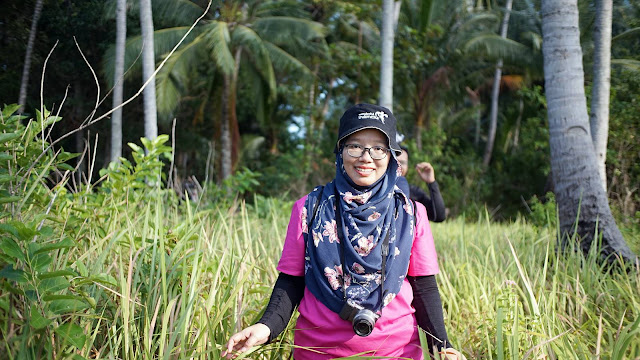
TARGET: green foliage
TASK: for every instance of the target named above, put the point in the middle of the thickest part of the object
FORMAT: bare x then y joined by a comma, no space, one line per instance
144,173
623,149
42,295
239,186
543,211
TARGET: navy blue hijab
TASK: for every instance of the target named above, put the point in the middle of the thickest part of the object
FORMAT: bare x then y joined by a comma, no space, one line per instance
367,215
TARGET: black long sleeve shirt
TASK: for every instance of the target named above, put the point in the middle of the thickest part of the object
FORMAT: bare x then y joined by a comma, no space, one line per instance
434,203
289,290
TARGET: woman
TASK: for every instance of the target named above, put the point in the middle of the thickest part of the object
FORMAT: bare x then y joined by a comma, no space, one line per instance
358,258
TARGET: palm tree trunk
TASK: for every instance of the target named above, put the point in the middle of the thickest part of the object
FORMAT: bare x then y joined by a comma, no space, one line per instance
495,93
148,68
360,29
27,57
386,62
225,132
116,118
516,135
601,84
233,118
582,201
475,102
418,129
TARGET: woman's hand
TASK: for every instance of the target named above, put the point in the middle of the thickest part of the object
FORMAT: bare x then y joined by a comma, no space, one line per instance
451,354
426,172
240,342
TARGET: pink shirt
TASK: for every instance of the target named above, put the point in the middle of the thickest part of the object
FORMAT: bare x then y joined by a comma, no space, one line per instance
321,334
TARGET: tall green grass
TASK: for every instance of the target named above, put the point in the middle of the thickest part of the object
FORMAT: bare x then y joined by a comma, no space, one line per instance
174,281
126,270
507,294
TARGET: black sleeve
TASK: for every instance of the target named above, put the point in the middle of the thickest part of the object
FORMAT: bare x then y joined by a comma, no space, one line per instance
419,195
426,301
286,295
437,204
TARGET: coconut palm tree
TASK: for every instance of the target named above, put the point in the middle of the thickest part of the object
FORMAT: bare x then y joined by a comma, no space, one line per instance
495,91
582,202
234,36
458,46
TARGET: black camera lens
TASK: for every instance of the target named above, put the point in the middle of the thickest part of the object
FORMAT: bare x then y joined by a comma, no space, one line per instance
363,322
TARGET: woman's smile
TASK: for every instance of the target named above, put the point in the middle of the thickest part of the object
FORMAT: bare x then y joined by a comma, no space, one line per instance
364,170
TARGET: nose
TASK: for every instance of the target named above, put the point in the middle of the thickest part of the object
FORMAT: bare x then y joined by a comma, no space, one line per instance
366,155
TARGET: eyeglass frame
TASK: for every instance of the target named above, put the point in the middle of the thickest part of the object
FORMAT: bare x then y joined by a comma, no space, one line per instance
368,150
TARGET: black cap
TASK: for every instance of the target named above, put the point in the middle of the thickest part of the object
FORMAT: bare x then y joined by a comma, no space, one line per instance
368,116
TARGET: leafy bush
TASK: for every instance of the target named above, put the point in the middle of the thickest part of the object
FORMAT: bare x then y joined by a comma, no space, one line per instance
43,295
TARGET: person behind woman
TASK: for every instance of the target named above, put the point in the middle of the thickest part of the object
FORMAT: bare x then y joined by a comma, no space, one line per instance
358,258
433,202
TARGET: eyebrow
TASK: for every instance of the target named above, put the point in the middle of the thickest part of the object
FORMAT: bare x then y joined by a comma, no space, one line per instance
359,141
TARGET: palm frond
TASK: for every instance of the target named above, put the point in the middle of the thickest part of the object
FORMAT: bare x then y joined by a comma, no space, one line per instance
630,64
171,81
164,41
259,94
350,27
286,63
494,47
479,22
533,39
281,29
627,34
290,8
249,40
217,38
426,13
179,12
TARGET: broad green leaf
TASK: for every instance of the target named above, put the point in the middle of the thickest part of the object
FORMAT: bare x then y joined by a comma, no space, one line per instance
58,273
9,110
53,284
72,334
6,137
52,119
64,156
5,157
65,166
36,320
25,232
63,244
12,249
100,278
8,228
16,275
65,304
46,231
146,143
40,262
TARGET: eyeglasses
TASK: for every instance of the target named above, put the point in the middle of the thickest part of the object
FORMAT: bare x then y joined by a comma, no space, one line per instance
376,152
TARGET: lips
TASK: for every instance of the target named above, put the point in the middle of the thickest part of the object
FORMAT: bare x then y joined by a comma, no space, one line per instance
364,171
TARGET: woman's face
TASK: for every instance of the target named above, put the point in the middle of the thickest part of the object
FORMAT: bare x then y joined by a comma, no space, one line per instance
363,170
